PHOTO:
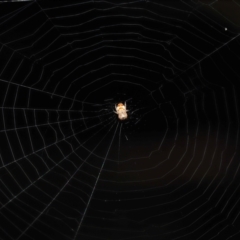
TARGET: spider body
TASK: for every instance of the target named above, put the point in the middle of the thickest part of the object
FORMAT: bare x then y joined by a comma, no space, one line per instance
121,111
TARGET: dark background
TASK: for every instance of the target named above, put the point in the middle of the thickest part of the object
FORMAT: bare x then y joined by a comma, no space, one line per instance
70,169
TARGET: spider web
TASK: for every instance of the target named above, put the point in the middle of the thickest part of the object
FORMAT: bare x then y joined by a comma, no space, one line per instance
70,169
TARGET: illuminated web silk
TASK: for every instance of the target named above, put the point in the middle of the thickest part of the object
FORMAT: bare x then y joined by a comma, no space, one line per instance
70,169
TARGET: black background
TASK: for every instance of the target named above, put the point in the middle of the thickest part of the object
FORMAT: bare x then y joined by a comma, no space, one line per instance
70,169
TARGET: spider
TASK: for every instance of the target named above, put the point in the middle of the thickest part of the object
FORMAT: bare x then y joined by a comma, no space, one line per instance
121,111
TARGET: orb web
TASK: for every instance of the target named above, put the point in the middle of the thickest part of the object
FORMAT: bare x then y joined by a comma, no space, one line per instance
70,169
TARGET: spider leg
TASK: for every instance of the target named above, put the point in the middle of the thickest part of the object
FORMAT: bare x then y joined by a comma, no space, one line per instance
115,109
125,104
